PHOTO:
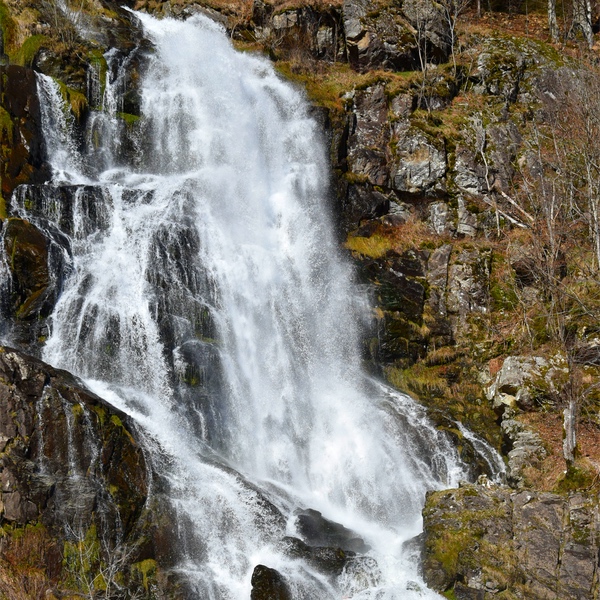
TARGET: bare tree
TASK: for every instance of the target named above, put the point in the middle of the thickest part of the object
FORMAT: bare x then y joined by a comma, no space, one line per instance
552,21
452,9
558,206
582,20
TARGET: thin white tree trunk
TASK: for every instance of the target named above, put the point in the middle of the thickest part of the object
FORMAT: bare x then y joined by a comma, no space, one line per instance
570,439
552,22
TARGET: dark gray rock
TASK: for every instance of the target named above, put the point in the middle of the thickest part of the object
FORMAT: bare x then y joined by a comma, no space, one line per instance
268,584
25,158
316,530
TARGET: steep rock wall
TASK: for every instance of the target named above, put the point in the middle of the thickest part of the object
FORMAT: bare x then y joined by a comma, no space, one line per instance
487,542
74,489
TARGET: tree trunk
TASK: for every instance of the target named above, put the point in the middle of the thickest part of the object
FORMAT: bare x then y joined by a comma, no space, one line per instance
552,22
582,20
570,439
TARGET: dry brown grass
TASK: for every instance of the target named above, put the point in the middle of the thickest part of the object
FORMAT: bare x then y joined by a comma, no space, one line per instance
29,563
553,468
387,238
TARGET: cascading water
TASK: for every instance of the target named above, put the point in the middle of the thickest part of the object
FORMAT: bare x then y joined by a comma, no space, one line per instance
207,300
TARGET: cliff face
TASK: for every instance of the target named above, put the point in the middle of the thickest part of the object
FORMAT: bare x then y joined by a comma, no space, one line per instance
76,515
471,220
495,543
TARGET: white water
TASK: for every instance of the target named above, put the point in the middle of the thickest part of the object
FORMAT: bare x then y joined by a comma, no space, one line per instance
210,304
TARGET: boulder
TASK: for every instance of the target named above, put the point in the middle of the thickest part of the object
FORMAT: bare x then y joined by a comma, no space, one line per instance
316,530
329,560
268,584
524,380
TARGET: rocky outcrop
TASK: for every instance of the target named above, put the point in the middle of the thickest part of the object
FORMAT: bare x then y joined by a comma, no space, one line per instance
23,151
485,543
70,469
382,36
35,265
523,446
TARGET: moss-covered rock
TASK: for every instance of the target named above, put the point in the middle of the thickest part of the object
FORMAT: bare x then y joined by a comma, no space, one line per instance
492,542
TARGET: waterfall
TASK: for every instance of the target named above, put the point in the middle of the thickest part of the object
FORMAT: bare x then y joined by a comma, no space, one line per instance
208,300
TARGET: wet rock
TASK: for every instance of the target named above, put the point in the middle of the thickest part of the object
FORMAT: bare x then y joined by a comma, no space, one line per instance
360,573
71,467
27,249
20,130
268,584
481,542
66,452
51,206
330,561
316,530
36,267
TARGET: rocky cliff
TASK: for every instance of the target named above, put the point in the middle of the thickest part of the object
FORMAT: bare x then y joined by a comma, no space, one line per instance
77,519
487,542
463,157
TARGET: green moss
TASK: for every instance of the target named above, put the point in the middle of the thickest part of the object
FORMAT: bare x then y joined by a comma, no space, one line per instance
9,27
100,412
114,419
130,120
6,124
26,53
146,571
74,99
81,561
504,297
576,478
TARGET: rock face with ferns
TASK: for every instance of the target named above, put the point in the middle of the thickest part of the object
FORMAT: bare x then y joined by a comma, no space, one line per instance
465,187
